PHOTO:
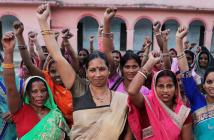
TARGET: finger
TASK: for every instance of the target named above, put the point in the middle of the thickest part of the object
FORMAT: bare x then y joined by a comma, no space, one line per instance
108,10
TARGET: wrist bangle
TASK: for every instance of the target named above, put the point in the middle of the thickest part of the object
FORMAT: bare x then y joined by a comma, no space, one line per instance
22,47
145,71
47,32
165,54
107,35
142,74
157,33
7,66
181,55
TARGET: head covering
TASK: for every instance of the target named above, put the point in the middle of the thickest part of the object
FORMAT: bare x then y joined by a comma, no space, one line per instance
165,124
49,102
193,57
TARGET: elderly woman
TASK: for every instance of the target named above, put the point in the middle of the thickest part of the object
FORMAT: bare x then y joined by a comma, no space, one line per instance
36,116
96,113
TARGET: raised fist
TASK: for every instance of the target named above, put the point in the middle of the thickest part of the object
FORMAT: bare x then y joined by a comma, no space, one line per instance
181,32
66,34
8,41
18,28
43,12
109,13
156,26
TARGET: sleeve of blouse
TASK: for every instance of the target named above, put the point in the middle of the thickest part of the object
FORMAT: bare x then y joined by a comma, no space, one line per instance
80,87
193,94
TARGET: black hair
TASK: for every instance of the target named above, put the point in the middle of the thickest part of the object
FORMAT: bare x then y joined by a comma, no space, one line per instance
129,51
208,71
83,49
29,85
118,52
94,55
190,53
139,52
167,73
129,55
172,49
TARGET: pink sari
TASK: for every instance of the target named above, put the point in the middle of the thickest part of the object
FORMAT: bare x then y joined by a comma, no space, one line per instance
165,124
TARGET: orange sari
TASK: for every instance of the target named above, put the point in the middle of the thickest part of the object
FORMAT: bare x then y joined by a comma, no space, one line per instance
62,97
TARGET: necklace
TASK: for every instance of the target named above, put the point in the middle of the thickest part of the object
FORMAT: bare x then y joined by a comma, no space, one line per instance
100,99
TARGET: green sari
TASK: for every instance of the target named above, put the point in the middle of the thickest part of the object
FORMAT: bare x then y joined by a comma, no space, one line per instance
51,127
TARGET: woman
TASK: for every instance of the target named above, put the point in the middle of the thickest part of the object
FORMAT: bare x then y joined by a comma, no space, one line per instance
36,116
130,64
96,114
202,106
62,96
203,60
161,115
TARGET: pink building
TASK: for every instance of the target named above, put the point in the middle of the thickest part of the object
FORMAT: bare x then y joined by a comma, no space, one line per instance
133,21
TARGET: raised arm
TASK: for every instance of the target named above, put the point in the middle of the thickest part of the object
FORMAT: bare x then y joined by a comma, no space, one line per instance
139,79
33,38
66,35
64,69
157,33
146,46
14,99
165,51
18,30
108,38
91,40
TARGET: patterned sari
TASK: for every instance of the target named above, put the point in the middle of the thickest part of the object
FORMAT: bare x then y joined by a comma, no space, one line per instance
50,127
164,123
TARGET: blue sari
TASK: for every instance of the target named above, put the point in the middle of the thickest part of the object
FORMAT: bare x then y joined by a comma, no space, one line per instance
7,129
202,113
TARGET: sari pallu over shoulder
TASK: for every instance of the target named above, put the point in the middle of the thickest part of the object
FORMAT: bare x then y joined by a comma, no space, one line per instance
101,123
53,126
165,124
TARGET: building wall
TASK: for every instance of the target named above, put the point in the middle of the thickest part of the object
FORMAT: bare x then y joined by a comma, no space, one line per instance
69,16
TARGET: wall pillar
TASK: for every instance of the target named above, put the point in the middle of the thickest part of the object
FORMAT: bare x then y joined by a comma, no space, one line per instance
130,39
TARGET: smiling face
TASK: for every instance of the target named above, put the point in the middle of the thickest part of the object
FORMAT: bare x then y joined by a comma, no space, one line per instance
209,85
165,89
97,72
38,94
130,69
54,74
203,60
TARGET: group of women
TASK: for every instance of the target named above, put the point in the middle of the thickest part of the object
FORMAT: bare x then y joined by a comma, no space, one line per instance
106,95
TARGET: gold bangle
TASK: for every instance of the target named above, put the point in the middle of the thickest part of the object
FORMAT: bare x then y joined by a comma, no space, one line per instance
7,66
181,55
141,73
22,47
47,32
165,54
107,35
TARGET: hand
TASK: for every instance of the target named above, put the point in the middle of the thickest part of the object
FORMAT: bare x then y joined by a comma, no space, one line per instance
18,28
7,117
100,29
156,26
165,35
154,57
43,12
66,34
181,32
91,39
32,36
8,41
109,13
147,42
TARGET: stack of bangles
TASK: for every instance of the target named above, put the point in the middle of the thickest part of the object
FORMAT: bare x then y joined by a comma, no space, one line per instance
181,55
107,35
143,73
7,66
47,32
165,54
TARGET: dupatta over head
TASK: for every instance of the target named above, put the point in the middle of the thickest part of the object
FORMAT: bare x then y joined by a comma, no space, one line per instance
50,127
165,124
